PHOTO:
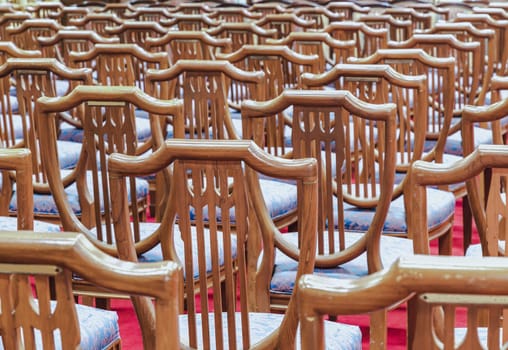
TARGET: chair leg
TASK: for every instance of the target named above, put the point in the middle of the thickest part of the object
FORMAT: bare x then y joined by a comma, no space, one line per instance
467,222
378,334
446,243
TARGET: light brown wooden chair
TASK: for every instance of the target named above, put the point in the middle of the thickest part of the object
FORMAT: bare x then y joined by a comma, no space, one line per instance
68,13
149,14
267,8
49,261
367,39
121,10
42,10
96,22
462,286
242,34
9,50
285,23
25,35
10,20
234,15
197,45
329,50
321,16
190,8
397,30
343,132
190,22
82,196
349,9
420,21
136,32
66,41
228,321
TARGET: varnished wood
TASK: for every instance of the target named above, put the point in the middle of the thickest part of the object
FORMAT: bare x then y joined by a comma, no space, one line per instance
242,34
231,166
285,23
96,22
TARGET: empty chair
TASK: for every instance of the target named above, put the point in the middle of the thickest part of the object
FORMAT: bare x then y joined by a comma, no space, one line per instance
321,16
460,285
285,23
188,22
242,34
137,32
25,36
10,20
227,321
397,30
96,22
349,9
234,15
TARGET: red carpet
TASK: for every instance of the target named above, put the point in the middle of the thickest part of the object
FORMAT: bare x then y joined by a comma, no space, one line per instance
131,335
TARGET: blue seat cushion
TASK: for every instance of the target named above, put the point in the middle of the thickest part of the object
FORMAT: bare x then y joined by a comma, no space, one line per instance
280,199
10,223
284,274
453,144
155,254
338,336
69,132
98,328
44,204
440,207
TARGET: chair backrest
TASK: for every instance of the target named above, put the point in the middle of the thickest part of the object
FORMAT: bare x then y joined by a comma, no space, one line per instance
149,14
244,33
119,64
42,10
217,177
420,21
25,36
321,16
23,81
380,84
190,22
368,40
355,138
349,9
463,287
397,30
468,60
440,74
267,8
285,23
68,13
206,87
109,125
189,45
66,41
136,32
121,10
96,22
11,20
36,274
234,15
9,50
320,44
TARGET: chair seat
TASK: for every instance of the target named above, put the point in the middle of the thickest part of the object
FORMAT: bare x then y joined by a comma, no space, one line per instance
10,223
453,144
280,199
155,254
440,208
284,274
98,328
44,204
262,324
69,132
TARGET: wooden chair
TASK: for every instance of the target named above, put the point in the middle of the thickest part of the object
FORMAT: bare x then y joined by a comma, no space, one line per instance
42,10
285,23
321,16
190,8
329,50
367,39
137,32
459,285
242,34
397,30
9,50
232,167
109,126
49,261
25,36
11,20
97,22
349,9
68,13
234,15
420,21
121,10
196,45
149,14
267,8
66,41
340,251
187,22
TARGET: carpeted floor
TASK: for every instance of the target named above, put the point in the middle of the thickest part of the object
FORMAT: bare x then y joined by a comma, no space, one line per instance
131,335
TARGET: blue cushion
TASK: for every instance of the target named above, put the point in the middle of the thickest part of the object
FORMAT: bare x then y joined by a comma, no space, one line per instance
71,133
338,336
155,254
62,87
68,154
98,328
10,223
453,144
440,207
280,199
45,204
284,274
